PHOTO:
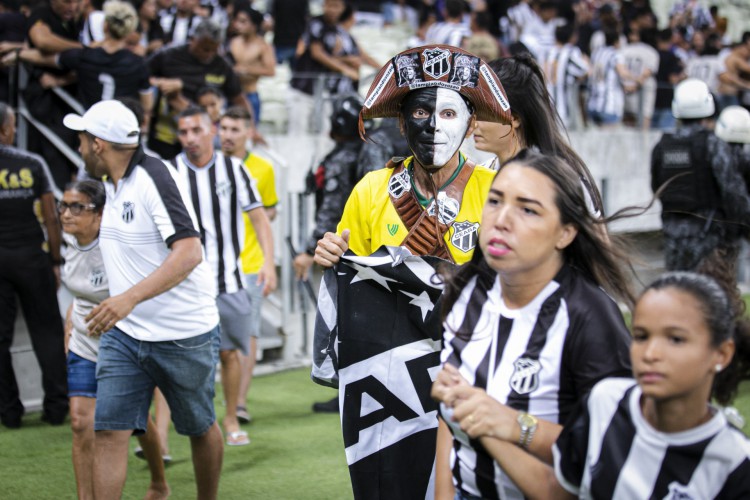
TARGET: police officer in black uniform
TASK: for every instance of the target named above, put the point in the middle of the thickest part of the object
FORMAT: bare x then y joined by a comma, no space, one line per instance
30,274
704,198
332,183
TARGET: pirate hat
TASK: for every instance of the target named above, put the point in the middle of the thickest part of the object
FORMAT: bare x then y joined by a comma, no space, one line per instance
435,66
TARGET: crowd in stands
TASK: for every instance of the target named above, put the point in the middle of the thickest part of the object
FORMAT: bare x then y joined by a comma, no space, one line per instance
606,62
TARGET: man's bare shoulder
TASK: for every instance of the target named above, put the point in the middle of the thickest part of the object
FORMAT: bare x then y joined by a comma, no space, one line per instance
247,51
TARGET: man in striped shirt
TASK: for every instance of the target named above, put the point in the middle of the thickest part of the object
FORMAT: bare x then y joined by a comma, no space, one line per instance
564,67
221,190
452,31
606,88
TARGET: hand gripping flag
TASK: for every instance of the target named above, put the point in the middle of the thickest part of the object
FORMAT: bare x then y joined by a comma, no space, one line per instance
378,338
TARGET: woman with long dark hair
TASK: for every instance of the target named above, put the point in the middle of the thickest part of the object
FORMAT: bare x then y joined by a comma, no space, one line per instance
530,321
536,122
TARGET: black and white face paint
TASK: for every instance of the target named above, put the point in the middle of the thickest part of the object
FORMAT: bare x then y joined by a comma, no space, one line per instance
436,121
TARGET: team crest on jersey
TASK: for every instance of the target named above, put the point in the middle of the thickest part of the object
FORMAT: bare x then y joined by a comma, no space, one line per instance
465,235
525,378
223,188
399,184
128,211
392,229
96,278
437,62
447,208
679,491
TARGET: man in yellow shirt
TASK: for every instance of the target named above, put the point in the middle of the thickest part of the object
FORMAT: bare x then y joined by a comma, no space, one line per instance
430,203
396,206
235,127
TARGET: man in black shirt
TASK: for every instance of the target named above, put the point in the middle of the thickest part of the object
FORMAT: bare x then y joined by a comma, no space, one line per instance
26,274
289,19
108,71
52,28
671,71
178,73
319,43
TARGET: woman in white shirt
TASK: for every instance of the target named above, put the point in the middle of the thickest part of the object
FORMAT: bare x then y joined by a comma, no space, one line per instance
83,274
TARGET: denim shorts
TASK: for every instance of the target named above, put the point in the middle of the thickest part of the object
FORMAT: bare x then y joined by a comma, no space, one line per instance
129,369
81,376
601,118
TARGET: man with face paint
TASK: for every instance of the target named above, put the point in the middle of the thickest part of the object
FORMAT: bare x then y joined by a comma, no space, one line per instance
431,204
395,206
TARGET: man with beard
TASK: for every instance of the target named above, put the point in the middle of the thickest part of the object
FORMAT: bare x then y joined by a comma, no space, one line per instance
222,191
394,206
160,325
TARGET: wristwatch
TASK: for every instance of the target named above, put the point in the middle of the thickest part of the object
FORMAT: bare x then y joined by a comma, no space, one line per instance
528,424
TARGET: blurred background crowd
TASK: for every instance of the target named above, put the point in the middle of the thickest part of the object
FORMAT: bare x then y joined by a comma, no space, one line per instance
607,62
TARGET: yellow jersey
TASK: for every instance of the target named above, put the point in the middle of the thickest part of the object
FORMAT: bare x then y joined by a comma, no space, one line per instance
262,171
373,221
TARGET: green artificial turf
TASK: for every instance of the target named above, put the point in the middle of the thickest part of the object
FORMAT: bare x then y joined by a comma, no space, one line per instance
294,453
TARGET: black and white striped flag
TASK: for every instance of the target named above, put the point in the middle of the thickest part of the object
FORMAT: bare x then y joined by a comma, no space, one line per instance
378,338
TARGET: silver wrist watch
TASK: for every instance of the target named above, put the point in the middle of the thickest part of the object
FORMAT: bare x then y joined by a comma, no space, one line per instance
528,424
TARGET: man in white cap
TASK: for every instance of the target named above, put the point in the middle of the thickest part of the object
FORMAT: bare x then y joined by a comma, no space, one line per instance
160,325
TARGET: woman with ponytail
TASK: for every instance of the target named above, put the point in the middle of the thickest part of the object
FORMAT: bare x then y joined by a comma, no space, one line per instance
535,124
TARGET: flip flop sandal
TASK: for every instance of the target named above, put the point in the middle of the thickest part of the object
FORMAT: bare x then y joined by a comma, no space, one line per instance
237,438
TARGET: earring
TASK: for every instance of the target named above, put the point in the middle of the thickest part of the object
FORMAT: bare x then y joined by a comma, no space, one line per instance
718,367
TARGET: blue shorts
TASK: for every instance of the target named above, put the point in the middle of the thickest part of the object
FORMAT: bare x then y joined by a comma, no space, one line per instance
254,99
129,369
601,118
81,376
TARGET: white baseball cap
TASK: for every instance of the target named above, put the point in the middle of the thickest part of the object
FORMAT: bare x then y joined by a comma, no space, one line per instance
109,120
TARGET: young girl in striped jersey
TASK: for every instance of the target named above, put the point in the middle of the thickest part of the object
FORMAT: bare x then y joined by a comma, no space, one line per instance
657,436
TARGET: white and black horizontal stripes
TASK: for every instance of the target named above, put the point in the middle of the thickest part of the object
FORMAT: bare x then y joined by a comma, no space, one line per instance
220,192
608,450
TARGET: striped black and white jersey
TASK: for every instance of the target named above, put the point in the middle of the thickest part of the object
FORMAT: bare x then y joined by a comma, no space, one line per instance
608,450
606,94
564,66
541,358
221,191
447,33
